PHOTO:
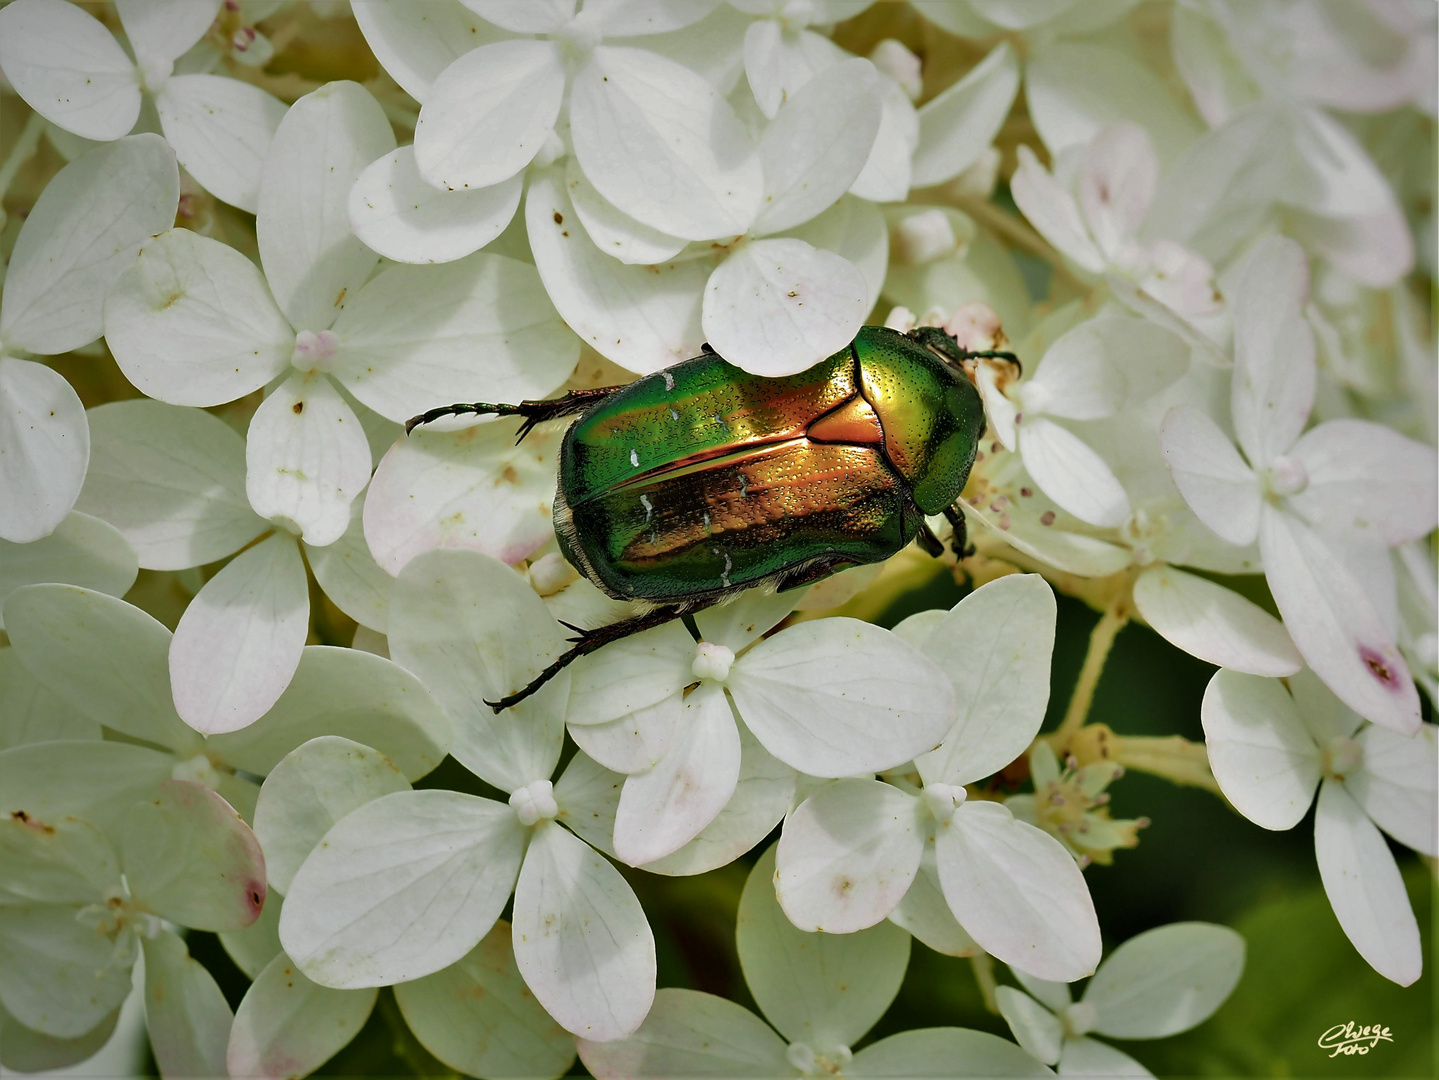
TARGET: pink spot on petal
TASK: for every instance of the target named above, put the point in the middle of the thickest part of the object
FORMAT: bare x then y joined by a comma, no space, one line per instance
1380,667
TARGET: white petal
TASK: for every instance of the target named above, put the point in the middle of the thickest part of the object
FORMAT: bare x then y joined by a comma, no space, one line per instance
311,259
1072,474
525,16
1274,369
239,641
192,322
103,656
1214,623
95,780
44,445
847,855
186,1015
57,976
1035,1028
737,625
1074,553
1365,888
1104,365
1265,762
309,791
416,337
817,144
1090,1057
1210,474
836,697
588,795
414,44
221,129
287,1025
1117,179
943,1052
667,806
1017,892
1054,995
171,480
81,234
643,318
778,306
349,575
617,18
660,143
27,1050
1367,479
1165,980
887,173
478,1017
190,859
636,673
473,489
350,693
472,629
1396,786
763,794
995,646
1335,625
31,713
924,912
689,1033
402,887
82,550
1052,210
613,231
958,125
396,213
581,939
306,458
823,990
68,68
489,113
165,29
65,861
778,61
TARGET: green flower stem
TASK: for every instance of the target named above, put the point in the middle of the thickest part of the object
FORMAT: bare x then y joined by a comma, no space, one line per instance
1101,640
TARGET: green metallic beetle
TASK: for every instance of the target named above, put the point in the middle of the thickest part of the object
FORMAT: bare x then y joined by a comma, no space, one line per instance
685,487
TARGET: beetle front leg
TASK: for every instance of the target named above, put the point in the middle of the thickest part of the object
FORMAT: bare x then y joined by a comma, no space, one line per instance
927,540
534,412
959,542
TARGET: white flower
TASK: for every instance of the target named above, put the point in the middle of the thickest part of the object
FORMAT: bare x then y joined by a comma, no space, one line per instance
850,854
1156,984
1307,497
821,993
82,232
70,70
828,697
1270,748
440,865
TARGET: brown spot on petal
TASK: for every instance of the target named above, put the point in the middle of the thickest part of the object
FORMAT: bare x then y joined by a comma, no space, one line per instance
297,408
1379,667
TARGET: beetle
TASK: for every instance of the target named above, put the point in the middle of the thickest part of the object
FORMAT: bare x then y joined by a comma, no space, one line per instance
685,487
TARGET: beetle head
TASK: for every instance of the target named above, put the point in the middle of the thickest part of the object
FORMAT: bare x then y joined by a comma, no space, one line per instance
947,347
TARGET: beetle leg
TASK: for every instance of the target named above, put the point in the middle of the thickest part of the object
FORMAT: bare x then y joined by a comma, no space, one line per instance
820,568
963,549
588,641
534,412
929,541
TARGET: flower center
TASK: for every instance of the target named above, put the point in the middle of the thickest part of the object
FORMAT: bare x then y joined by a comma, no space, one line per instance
1286,476
1079,1018
807,1062
535,802
550,573
1342,757
155,74
943,800
199,769
314,350
581,34
712,661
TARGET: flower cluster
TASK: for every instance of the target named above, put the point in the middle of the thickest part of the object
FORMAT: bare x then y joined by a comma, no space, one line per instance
244,617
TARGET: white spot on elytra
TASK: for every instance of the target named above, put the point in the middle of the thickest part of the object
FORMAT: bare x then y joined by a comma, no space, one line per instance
649,508
728,566
634,457
669,380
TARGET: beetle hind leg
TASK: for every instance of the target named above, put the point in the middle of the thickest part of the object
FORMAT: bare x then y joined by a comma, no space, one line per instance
534,412
959,542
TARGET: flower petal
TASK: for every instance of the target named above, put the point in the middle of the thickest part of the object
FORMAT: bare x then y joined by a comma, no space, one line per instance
581,939
588,795
943,1052
1052,210
395,212
1073,553
311,259
1214,623
349,575
309,791
221,129
402,887
666,806
489,113
1365,888
1165,980
823,990
95,780
57,976
417,336
479,1018
44,446
737,625
637,673
1035,1028
30,1051
778,61
239,641
1071,473
1017,892
415,44
30,712
1117,179
924,912
1215,482
959,123
1105,365
847,855
306,458
994,646
642,318
186,1014
662,144
613,231
287,1025
836,697
525,16
83,551
778,306
1090,1057
1396,786
1335,626
165,29
69,68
